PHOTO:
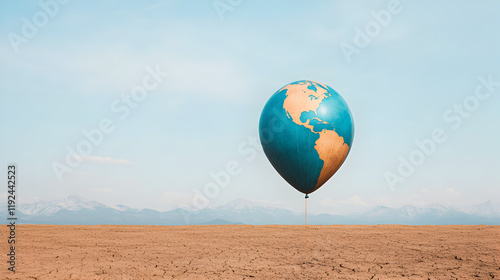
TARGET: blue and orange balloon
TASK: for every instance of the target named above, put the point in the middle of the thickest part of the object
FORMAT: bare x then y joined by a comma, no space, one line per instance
306,130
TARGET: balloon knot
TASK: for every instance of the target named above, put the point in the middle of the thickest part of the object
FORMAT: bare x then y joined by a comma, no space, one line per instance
307,196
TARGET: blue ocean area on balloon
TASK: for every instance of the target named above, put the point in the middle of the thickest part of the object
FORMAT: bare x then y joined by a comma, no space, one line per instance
314,134
338,120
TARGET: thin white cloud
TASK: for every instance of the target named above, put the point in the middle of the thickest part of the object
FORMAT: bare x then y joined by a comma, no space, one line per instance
451,190
105,160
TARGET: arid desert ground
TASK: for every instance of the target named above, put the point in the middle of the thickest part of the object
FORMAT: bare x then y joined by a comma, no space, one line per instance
255,252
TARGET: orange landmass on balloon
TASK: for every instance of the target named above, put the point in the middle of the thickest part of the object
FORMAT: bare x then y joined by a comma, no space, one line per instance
333,151
301,99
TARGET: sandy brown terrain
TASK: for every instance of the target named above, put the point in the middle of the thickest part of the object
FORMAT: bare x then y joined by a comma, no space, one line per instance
254,252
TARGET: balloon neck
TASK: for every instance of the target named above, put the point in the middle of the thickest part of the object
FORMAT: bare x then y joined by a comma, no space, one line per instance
307,196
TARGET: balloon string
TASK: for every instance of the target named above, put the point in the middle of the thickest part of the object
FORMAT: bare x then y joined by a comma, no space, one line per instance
306,207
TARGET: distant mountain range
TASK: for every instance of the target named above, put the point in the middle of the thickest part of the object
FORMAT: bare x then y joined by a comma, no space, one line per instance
77,211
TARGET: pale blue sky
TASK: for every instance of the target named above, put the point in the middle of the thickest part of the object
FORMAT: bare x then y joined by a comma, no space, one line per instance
221,73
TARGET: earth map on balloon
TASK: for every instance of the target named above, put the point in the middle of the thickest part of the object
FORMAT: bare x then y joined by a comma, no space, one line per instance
306,130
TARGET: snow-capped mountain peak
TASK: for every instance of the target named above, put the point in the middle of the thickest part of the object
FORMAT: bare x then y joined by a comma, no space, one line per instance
487,209
48,207
75,210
